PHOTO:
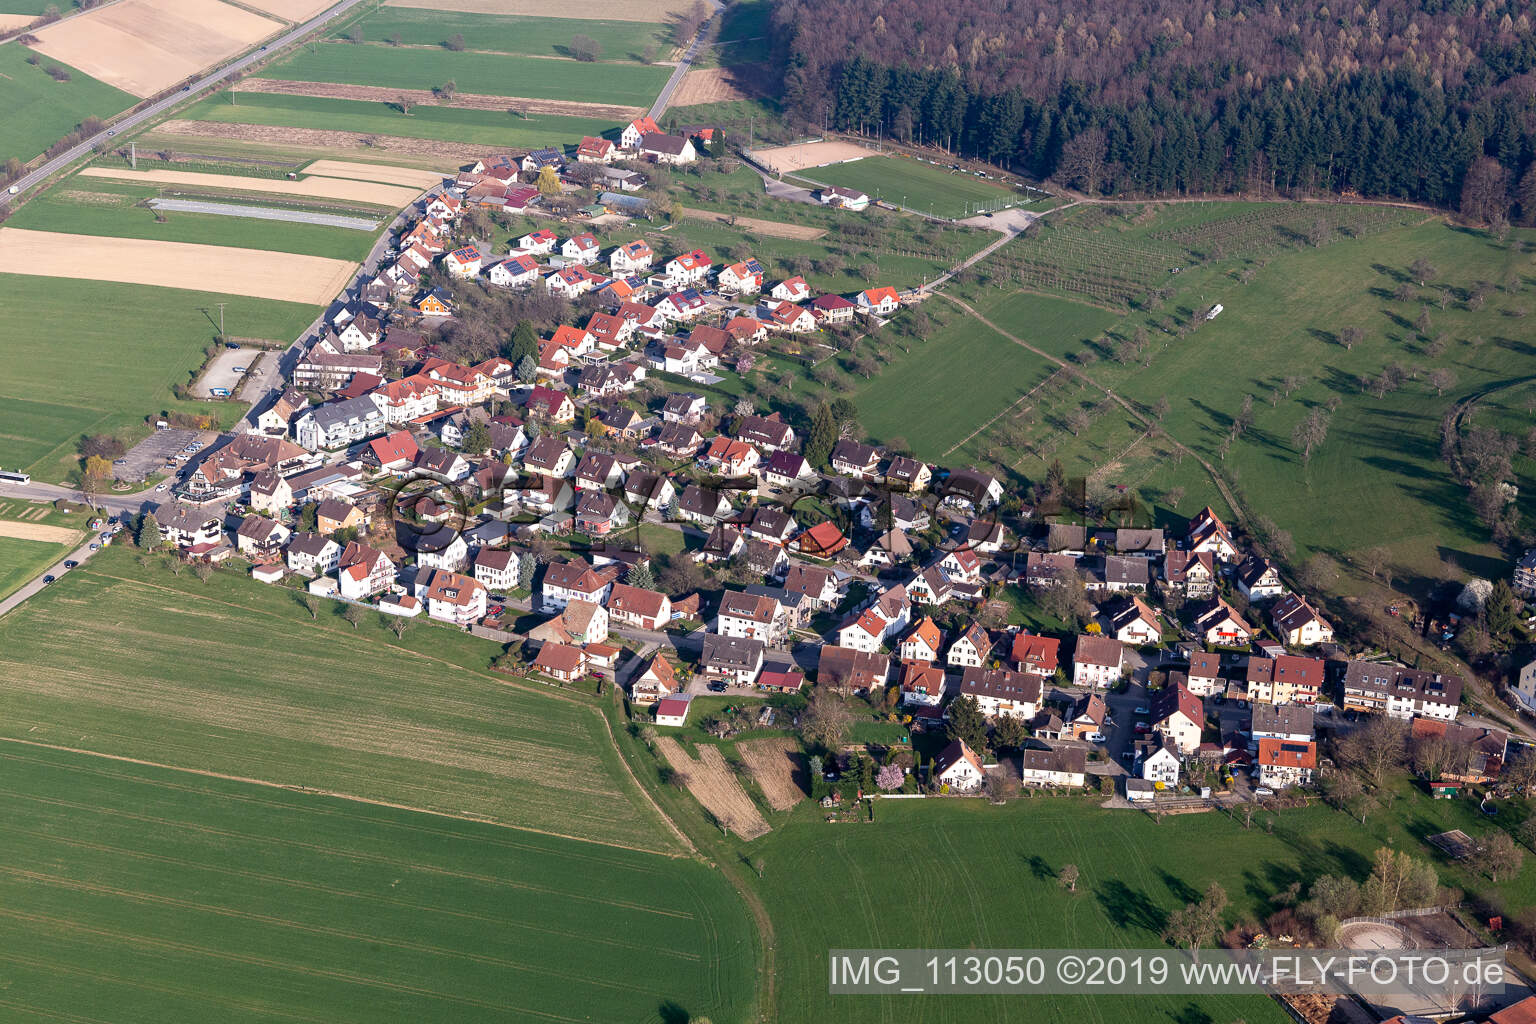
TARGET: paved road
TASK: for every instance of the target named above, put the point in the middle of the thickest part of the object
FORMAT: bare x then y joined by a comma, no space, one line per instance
32,586
155,109
660,106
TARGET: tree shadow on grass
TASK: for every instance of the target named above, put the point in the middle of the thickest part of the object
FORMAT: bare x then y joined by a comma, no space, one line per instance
1182,890
1038,867
673,1013
1130,906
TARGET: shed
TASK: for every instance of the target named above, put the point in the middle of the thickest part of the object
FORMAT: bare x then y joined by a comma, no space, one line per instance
673,710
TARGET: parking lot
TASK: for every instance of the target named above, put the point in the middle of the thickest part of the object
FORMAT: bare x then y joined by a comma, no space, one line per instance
224,373
148,457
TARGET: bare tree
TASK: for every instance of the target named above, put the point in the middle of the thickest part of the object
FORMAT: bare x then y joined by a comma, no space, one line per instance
312,605
1375,749
354,614
1068,877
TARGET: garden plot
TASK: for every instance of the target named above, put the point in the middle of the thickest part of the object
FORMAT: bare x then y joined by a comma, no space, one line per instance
146,46
774,764
712,784
265,275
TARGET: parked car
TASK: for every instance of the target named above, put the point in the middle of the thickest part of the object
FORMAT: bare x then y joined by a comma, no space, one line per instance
1142,727
717,686
1096,737
71,564
95,547
1263,791
1143,710
47,579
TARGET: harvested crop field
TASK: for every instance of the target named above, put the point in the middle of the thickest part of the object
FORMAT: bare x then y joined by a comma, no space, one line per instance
37,531
774,764
385,173
145,46
424,97
290,10
712,784
373,193
772,228
723,85
612,10
11,22
782,159
257,273
449,154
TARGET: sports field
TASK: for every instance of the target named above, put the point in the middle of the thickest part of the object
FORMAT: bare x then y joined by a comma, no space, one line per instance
109,208
136,894
484,128
40,110
537,37
145,46
161,669
286,277
98,357
919,186
493,74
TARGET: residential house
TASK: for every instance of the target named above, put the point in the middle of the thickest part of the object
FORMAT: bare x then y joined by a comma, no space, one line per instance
922,684
516,272
788,317
1204,676
862,631
364,572
1208,533
907,475
685,305
878,301
1258,579
564,662
764,558
1042,569
260,538
435,303
769,433
657,681
598,471
1034,655
750,615
730,456
792,289
1062,766
555,406
961,566
497,569
1136,624
1218,624
463,262
632,257
734,658
786,469
651,490
1290,722
823,540
957,768
338,424
845,670
276,418
332,515
819,585
1298,623
574,580
685,408
1401,692
325,367
690,268
1287,679
312,554
1179,717
550,456
638,608
443,464
1097,661
581,249
1190,573
832,309
1001,692
703,505
971,491
442,549
1161,765
270,493
537,243
637,129
599,514
1120,574
660,148
724,543
970,649
1285,763
856,459
572,282
745,278
1140,543
923,643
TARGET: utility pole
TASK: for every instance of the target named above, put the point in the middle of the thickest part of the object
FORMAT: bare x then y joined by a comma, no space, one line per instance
133,155
221,306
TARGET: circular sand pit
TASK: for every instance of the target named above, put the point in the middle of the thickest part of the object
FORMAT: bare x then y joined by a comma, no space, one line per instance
1372,935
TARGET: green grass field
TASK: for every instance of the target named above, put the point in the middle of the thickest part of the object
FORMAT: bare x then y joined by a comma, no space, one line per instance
111,211
137,894
491,74
25,6
98,357
965,373
1381,452
39,110
923,187
536,37
21,560
445,124
160,669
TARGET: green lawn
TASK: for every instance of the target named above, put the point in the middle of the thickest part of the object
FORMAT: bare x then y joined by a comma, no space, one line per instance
161,668
25,6
491,74
537,37
61,210
917,185
21,560
39,110
953,381
137,894
446,124
98,357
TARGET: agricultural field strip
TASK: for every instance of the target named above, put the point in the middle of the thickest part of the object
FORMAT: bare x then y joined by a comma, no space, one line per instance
391,96
485,755
145,46
329,220
287,277
372,193
39,532
772,762
711,782
388,175
654,11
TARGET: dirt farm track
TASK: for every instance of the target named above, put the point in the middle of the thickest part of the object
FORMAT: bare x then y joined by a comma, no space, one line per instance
211,268
145,46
